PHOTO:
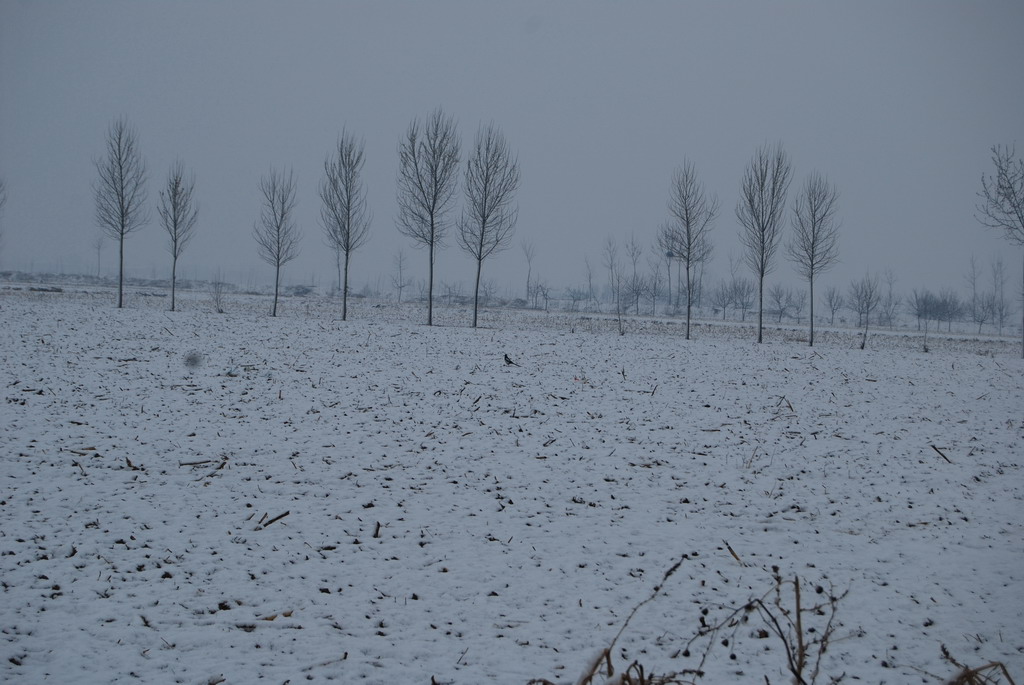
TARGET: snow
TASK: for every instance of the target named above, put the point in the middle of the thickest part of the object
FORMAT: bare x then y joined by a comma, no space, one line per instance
190,497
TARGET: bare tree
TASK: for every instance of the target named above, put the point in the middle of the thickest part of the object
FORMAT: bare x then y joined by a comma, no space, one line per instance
543,292
399,281
615,279
489,218
575,296
664,245
985,310
863,299
452,292
120,191
760,210
948,308
922,305
590,279
889,303
834,301
277,235
634,285
796,303
815,244
971,277
488,290
1002,203
344,214
611,262
218,289
530,252
178,210
743,291
428,165
688,236
1001,308
780,299
97,244
655,279
722,297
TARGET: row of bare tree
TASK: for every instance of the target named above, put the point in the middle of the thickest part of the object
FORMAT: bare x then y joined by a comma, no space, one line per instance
427,183
121,209
813,246
685,239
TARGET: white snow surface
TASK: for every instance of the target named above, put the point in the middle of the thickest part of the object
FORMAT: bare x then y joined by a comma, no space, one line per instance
192,498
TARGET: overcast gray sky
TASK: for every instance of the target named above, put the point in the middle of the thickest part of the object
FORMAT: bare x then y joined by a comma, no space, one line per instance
897,102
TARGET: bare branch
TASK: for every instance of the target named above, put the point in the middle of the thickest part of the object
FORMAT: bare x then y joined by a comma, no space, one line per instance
1002,201
760,210
177,210
530,252
428,162
344,213
120,190
815,244
863,299
1002,195
277,236
489,218
687,236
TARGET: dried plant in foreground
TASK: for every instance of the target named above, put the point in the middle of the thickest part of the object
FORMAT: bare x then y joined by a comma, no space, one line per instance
601,671
798,625
994,673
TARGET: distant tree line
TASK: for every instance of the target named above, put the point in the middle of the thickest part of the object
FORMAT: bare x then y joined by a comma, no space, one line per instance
427,185
428,179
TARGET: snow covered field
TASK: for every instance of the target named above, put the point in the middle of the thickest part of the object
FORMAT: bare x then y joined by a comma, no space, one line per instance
194,498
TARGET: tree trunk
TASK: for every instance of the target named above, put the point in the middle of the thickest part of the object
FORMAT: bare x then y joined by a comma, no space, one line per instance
700,285
430,288
476,290
174,272
344,292
277,283
668,268
811,342
689,299
679,286
120,275
337,262
760,308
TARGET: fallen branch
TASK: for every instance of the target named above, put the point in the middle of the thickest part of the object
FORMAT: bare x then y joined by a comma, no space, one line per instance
343,657
733,553
941,454
276,518
214,470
